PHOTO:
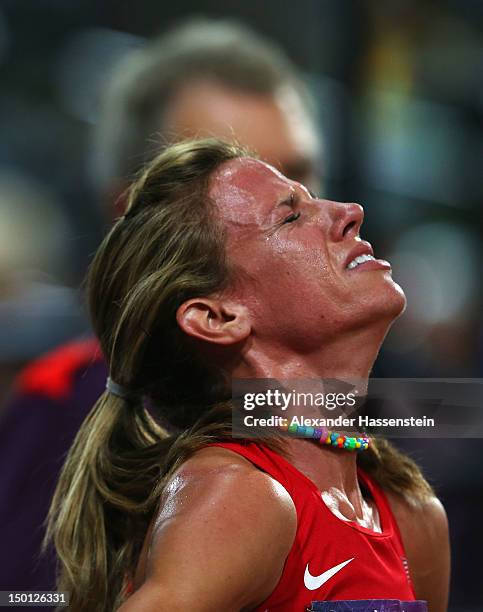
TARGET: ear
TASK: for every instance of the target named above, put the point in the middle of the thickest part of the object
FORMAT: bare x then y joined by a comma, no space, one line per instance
219,322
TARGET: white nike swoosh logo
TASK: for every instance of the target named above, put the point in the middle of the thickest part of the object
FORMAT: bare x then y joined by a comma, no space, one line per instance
315,582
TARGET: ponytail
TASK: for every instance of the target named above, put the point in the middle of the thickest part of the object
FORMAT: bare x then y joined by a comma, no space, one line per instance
107,489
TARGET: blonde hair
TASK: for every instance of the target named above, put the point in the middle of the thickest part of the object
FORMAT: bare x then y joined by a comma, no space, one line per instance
167,248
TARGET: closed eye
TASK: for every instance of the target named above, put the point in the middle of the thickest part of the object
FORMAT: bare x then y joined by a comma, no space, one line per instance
291,218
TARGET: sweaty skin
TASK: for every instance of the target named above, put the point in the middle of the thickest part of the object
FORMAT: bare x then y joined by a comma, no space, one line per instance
302,299
221,517
219,541
225,528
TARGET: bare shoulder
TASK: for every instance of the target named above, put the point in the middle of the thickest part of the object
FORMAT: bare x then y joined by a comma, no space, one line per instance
424,530
221,520
220,474
215,458
226,485
427,515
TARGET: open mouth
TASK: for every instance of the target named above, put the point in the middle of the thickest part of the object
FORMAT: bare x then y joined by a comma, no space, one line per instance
362,256
360,259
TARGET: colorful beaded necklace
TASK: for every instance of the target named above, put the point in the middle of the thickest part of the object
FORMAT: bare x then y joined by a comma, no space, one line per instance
330,438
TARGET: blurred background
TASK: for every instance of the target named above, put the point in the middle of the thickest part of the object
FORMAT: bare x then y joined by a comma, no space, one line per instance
398,94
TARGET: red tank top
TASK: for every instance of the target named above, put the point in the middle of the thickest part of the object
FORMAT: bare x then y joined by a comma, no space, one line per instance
331,559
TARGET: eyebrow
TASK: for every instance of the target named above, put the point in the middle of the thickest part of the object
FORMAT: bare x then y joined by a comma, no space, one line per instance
287,201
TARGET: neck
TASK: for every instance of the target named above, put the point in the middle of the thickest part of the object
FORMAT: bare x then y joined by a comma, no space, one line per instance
349,356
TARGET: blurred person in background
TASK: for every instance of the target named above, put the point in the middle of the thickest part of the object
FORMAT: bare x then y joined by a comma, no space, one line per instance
202,79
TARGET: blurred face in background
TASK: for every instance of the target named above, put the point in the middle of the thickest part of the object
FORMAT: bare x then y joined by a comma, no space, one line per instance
277,128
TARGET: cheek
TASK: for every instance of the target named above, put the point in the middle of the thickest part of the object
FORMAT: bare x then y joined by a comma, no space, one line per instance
288,275
296,286
300,273
287,251
288,270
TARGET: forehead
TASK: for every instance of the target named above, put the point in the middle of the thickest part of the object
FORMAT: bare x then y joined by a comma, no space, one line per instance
245,190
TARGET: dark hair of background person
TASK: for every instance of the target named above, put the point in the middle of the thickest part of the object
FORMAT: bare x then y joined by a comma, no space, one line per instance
169,247
224,52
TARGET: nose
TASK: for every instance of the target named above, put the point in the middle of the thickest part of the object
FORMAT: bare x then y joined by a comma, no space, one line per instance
346,220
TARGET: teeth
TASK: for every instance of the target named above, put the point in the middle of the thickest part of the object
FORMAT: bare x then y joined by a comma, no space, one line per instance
358,260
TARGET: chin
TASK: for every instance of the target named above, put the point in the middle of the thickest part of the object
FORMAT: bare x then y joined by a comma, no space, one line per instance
393,301
383,304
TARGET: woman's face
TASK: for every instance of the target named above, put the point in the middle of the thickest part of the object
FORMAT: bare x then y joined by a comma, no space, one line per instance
295,257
